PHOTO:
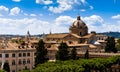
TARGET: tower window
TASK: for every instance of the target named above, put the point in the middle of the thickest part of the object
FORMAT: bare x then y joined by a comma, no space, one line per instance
80,33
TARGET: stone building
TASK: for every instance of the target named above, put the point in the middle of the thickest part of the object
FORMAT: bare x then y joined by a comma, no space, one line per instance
77,37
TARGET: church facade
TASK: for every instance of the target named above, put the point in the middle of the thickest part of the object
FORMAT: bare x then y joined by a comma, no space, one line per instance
77,37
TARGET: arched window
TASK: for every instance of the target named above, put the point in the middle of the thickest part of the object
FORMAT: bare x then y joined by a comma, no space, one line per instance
80,33
70,42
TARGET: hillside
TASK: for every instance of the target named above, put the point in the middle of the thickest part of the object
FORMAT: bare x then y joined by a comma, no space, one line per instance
114,34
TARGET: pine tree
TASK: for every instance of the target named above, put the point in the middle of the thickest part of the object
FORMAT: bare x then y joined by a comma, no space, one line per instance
62,53
41,53
110,45
87,54
6,67
73,54
118,44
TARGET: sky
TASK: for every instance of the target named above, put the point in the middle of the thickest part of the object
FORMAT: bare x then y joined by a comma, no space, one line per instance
56,16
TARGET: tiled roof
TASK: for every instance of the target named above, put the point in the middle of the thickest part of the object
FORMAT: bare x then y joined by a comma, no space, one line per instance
56,35
87,36
78,44
76,35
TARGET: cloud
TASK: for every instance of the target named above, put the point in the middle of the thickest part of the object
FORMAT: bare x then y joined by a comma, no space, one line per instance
98,24
25,14
65,5
93,20
16,0
46,2
91,7
64,20
82,10
33,15
116,16
15,11
40,14
60,24
3,10
19,26
34,25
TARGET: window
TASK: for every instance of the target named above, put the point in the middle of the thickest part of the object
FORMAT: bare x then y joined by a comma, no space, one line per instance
13,62
13,55
70,42
6,55
35,54
28,61
28,54
13,70
19,62
24,54
20,54
24,61
80,33
0,62
0,55
31,46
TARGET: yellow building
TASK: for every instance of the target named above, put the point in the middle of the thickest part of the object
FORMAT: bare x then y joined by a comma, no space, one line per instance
18,52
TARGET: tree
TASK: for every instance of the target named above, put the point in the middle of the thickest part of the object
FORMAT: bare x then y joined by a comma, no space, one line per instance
110,45
118,44
87,54
73,54
62,53
41,53
6,67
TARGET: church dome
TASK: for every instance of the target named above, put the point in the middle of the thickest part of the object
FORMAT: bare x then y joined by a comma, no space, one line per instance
78,27
79,23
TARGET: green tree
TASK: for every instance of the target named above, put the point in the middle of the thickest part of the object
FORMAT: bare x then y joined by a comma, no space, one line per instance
41,53
110,45
87,54
118,44
73,54
6,67
62,53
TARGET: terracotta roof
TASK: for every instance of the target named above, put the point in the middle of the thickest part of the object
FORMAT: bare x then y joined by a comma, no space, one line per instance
76,35
78,44
101,41
92,46
52,48
56,35
34,41
87,36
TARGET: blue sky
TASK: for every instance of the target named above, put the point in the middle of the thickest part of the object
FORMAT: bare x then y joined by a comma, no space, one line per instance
43,16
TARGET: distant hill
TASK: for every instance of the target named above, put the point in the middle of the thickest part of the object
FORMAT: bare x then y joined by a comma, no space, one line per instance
114,34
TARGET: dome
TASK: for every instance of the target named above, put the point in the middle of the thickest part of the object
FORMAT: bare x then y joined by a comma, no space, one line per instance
79,27
79,23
